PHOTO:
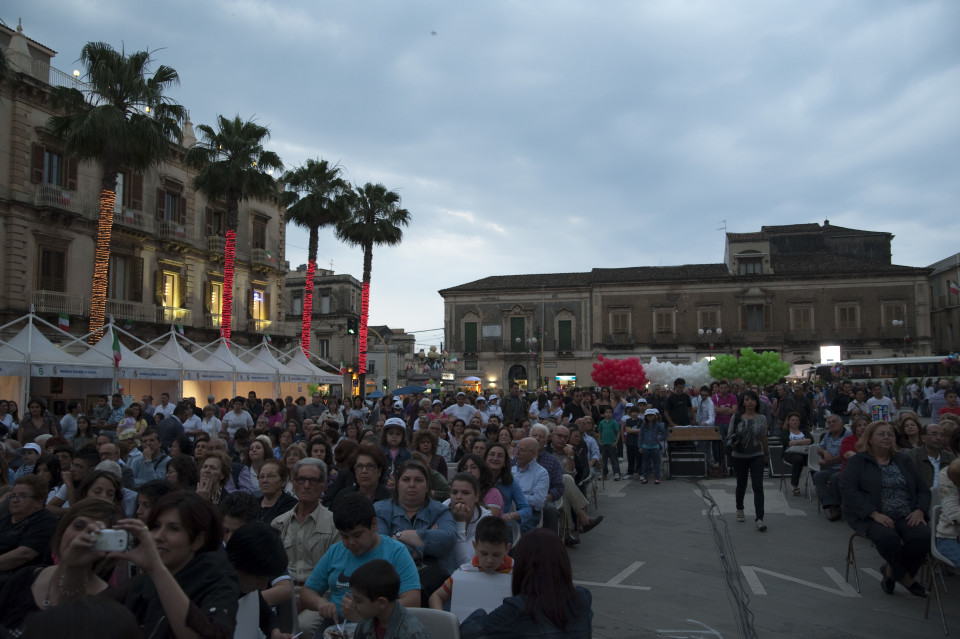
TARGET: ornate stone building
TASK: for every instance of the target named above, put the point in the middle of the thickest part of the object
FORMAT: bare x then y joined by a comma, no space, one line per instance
791,289
945,305
167,247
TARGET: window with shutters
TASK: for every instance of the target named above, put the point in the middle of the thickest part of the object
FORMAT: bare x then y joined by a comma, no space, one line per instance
214,222
801,318
323,348
125,278
172,207
52,269
619,322
891,312
848,316
565,335
708,319
51,166
470,337
170,289
259,306
756,317
518,334
663,320
258,235
129,191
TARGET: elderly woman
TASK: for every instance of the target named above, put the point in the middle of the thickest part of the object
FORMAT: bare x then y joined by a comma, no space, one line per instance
886,499
25,526
424,525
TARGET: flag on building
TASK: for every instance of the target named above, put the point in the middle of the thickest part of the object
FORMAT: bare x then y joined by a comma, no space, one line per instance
453,360
343,367
179,328
64,321
116,348
953,286
269,339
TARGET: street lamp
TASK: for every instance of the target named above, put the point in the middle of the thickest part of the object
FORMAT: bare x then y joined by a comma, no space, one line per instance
906,337
709,332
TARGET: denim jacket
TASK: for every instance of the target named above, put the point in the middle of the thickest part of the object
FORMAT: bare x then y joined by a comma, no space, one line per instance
651,436
433,523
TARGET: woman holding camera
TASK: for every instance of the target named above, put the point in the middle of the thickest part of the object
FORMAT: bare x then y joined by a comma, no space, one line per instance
80,572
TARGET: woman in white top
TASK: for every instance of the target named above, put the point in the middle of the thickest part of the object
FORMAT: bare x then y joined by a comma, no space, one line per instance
464,504
210,424
948,528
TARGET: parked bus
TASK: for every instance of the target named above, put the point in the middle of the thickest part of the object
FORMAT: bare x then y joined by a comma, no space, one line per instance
889,368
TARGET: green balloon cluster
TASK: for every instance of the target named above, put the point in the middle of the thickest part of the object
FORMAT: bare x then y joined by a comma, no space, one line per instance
725,367
762,368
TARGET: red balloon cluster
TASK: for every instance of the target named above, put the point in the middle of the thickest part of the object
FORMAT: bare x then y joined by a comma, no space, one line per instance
619,374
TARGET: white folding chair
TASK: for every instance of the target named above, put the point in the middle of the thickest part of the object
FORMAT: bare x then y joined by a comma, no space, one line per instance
813,465
935,560
437,623
514,526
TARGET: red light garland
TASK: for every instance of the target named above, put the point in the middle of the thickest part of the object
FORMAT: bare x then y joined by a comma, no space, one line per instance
101,265
307,308
226,314
364,310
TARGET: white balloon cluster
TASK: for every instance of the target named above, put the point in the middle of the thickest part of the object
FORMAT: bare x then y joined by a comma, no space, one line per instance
663,373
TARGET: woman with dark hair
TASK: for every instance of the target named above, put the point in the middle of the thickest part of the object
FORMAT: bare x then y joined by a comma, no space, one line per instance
214,475
908,430
85,434
367,468
182,472
187,588
426,443
796,441
102,484
48,469
358,410
181,445
750,450
886,499
456,432
545,603
333,413
77,573
148,494
425,526
274,502
489,496
37,422
141,420
258,452
515,506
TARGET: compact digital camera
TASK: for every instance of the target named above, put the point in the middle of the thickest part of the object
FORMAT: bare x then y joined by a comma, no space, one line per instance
109,540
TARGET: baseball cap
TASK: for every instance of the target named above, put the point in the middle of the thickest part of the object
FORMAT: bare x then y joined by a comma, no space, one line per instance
493,398
641,401
651,411
398,405
31,446
435,402
481,398
394,422
461,394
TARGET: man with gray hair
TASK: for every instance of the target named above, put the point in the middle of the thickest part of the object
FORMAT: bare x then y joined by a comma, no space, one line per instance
573,498
307,531
549,461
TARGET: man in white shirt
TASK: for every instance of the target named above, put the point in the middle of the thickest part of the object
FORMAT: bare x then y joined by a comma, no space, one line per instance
165,406
881,408
237,418
532,478
460,410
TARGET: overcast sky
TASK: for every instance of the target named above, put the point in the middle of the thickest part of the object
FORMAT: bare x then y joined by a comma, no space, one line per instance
553,136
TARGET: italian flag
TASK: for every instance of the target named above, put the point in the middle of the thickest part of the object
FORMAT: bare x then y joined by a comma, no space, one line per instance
269,340
116,349
952,285
343,367
63,321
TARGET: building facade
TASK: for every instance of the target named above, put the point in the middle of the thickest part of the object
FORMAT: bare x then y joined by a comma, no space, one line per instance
945,305
167,245
790,289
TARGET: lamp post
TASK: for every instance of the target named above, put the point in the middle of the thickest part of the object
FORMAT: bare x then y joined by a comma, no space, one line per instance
708,333
531,343
906,336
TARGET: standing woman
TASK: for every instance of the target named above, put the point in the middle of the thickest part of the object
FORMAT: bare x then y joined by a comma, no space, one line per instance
796,442
886,499
37,422
545,603
751,451
85,433
78,570
187,589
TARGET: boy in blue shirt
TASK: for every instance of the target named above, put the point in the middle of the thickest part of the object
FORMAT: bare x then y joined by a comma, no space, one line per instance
609,436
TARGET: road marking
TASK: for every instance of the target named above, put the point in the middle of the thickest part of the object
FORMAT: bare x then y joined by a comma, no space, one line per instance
843,588
774,501
615,581
692,633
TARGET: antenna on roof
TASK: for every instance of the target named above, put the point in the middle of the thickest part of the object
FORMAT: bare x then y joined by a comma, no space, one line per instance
723,226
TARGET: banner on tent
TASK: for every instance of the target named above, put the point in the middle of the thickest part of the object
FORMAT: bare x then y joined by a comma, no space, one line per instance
207,376
149,373
257,377
306,379
61,370
12,370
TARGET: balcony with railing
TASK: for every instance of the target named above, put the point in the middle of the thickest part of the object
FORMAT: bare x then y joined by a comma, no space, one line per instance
42,71
123,309
619,339
57,197
132,219
800,336
664,338
848,333
56,302
749,338
216,244
263,258
173,315
894,332
171,230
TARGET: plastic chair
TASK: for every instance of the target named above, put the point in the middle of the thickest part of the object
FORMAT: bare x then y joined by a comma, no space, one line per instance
813,465
514,526
437,623
852,559
934,561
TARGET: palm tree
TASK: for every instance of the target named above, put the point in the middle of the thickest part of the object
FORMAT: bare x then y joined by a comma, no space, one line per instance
322,204
120,120
375,217
232,166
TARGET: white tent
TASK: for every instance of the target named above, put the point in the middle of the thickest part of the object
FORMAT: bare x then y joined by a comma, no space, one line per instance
298,362
131,366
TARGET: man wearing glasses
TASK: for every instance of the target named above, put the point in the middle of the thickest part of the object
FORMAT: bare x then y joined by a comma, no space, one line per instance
307,531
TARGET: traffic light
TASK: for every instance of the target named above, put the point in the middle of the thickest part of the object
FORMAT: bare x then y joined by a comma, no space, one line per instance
384,383
352,326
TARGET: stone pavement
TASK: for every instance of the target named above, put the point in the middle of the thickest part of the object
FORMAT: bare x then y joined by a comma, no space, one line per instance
655,570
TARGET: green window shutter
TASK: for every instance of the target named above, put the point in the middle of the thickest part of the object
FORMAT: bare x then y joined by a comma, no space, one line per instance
470,337
565,335
517,332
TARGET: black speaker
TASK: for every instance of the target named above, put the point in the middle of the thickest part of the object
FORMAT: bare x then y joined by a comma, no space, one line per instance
776,461
688,464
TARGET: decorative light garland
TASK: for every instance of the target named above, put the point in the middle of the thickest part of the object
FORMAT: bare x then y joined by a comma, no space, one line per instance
101,265
307,308
230,251
362,338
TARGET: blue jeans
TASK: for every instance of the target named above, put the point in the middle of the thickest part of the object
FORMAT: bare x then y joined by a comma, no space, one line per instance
651,462
949,547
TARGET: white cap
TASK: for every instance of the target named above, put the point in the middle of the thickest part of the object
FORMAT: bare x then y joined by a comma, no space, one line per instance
651,411
394,422
33,447
493,398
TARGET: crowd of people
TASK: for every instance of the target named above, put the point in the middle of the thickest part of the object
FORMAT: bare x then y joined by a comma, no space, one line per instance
280,505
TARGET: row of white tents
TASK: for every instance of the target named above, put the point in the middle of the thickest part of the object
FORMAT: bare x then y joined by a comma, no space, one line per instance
31,364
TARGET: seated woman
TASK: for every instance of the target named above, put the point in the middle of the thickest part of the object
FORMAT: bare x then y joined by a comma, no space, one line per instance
78,573
948,528
439,486
908,430
426,443
490,497
214,475
188,588
545,603
465,506
367,468
796,440
274,502
182,472
886,499
424,525
515,506
25,526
